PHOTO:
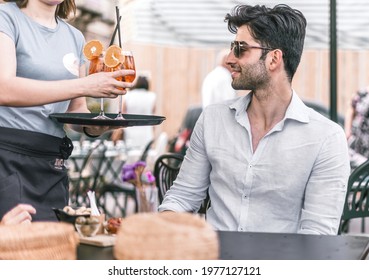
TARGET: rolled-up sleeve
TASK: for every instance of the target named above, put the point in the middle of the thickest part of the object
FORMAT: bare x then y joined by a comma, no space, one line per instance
190,187
326,189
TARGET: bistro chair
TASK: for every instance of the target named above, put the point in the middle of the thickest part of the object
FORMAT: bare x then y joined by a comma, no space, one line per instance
117,200
166,169
86,175
357,202
205,205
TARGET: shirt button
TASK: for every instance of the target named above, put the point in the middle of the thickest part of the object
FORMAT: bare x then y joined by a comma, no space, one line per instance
245,196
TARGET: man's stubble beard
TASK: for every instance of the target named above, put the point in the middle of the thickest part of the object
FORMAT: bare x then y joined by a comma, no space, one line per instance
252,77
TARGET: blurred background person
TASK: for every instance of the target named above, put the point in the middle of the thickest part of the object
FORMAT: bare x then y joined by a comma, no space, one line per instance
180,142
357,128
216,86
138,101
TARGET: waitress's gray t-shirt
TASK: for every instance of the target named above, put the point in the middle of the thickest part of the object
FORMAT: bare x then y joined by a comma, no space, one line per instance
42,54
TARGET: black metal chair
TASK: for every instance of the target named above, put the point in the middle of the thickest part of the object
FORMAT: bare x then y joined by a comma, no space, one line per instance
166,169
116,200
205,205
81,183
357,202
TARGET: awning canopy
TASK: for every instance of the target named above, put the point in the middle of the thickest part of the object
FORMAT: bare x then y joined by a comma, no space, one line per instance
201,22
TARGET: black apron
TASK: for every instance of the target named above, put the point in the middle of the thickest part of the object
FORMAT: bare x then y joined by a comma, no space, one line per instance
32,171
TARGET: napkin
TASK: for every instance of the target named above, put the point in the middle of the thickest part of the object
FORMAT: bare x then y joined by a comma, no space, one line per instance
94,210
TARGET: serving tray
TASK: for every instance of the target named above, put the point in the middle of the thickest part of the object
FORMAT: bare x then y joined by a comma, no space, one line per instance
89,119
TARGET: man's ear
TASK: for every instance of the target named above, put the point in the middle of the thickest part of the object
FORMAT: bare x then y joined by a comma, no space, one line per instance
276,59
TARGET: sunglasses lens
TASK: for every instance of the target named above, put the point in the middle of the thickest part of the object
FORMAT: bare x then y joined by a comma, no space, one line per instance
237,51
235,46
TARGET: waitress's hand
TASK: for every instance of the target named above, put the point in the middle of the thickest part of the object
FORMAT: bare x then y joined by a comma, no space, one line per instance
19,214
106,85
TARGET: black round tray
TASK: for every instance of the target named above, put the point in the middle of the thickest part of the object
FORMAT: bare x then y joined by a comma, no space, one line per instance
89,119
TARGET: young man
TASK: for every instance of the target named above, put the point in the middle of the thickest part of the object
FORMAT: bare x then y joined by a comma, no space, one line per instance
270,163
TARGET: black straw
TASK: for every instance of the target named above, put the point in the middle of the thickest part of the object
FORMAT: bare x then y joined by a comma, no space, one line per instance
115,31
118,21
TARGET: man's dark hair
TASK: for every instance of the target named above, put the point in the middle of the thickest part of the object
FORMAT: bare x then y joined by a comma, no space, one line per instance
280,27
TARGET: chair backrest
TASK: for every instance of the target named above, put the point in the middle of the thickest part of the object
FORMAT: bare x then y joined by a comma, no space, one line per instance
86,175
166,169
357,202
117,201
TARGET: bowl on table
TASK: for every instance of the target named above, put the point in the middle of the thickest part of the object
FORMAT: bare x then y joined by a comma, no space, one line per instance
64,216
87,227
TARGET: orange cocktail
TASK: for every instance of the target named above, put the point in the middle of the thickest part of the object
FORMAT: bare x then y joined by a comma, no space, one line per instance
94,52
116,59
128,62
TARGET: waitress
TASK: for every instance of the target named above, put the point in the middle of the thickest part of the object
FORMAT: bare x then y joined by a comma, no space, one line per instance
42,72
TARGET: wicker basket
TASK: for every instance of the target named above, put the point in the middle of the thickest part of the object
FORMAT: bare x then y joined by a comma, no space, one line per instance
166,236
38,241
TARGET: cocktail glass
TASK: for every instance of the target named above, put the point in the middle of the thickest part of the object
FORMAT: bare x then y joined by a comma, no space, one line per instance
97,65
126,62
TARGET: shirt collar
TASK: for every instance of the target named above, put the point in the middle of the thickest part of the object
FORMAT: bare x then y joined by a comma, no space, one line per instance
297,110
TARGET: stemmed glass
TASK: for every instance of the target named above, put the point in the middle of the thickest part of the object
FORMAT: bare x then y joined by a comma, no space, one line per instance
97,65
126,62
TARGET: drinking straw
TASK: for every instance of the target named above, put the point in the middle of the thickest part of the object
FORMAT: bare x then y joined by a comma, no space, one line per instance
120,116
118,20
115,31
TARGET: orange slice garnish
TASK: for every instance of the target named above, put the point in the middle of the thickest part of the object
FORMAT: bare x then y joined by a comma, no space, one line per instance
93,49
96,65
112,55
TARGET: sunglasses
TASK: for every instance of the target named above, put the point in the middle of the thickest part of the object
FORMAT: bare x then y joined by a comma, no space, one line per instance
239,47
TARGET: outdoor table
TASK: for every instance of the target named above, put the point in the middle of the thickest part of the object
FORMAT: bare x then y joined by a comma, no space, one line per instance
269,246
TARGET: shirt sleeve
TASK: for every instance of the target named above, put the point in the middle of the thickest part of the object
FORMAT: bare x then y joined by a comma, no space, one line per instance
190,187
8,25
326,190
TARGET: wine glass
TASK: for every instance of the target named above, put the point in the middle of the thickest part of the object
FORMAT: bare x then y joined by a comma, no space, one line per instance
126,62
97,65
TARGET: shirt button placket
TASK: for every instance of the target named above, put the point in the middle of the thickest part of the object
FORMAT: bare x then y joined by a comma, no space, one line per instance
245,199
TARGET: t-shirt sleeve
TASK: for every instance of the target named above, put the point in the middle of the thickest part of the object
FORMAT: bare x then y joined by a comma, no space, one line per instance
7,24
